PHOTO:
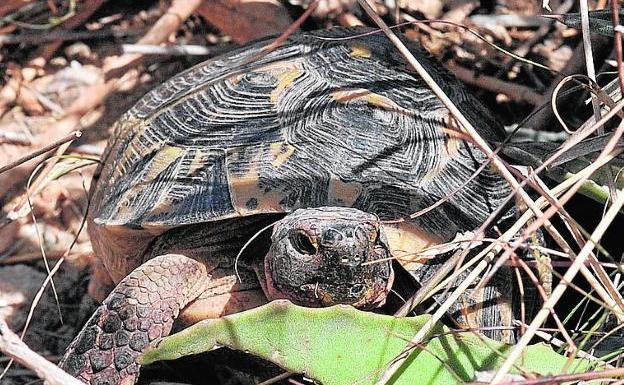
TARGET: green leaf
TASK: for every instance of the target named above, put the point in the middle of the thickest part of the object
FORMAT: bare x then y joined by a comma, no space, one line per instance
342,345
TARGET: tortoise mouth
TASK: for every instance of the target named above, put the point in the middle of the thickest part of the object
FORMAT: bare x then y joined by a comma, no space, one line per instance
327,256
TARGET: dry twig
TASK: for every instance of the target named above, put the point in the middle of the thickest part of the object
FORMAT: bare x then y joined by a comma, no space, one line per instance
500,166
13,347
515,92
68,138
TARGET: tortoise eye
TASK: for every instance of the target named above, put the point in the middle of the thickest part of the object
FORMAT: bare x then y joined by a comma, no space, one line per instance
302,243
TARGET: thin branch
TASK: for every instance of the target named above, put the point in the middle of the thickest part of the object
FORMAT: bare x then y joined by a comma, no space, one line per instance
171,50
38,38
615,19
36,256
73,136
514,91
291,29
13,347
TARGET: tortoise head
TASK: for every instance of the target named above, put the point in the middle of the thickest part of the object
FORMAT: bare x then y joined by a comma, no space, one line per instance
329,255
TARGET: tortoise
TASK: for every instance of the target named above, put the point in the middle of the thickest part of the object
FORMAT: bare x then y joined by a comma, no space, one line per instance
328,139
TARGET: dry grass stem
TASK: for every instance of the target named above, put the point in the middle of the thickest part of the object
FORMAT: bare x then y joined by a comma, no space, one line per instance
618,203
489,252
617,42
591,73
500,166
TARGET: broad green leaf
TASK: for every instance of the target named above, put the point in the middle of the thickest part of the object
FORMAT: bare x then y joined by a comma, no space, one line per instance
342,345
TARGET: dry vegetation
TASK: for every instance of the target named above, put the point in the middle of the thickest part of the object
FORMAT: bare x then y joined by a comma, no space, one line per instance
69,70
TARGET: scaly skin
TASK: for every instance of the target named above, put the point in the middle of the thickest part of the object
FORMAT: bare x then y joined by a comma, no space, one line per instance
141,309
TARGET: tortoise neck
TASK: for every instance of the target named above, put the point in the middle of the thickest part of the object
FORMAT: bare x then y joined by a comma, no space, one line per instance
220,240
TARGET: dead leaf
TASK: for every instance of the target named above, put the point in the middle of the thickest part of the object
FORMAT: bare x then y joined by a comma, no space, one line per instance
246,20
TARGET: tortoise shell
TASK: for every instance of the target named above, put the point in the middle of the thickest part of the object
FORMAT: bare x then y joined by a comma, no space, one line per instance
330,118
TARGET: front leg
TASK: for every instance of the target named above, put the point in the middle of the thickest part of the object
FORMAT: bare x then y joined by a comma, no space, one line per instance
141,309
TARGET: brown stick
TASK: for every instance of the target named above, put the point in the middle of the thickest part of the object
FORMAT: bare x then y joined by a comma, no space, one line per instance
167,24
515,92
615,18
289,31
12,346
58,143
36,256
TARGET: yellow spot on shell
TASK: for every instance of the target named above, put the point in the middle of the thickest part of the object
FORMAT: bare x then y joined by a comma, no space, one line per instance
452,146
360,50
454,135
382,101
471,311
163,158
473,305
166,156
286,79
362,94
248,196
235,79
281,153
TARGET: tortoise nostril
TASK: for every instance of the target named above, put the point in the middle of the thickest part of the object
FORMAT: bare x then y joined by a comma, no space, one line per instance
302,243
332,237
352,260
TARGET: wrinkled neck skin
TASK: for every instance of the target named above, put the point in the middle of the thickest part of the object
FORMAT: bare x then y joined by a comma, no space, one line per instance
326,256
